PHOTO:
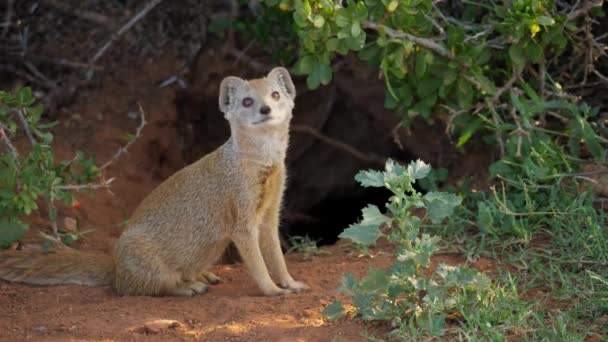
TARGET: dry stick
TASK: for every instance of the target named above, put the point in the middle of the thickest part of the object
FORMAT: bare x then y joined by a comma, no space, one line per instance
8,143
25,75
107,182
62,62
7,18
40,75
424,42
26,127
587,6
124,29
124,149
372,159
589,44
240,56
82,14
600,75
90,186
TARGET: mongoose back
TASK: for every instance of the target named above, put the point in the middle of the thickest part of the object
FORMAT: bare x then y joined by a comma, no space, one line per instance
184,225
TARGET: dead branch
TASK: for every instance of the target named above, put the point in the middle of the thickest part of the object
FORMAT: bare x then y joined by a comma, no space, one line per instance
26,127
124,149
600,75
8,144
340,145
250,62
424,42
126,27
584,10
7,18
93,17
91,186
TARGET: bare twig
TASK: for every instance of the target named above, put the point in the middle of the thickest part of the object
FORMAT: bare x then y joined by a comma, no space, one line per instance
93,17
495,119
91,186
26,126
8,144
584,10
25,75
62,62
371,159
142,13
600,75
424,42
124,149
32,68
505,87
7,18
252,63
395,135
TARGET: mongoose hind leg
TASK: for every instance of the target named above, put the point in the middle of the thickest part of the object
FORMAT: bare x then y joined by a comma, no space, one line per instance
188,289
209,278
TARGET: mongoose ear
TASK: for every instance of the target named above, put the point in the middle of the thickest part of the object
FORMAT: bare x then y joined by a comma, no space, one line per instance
281,76
228,90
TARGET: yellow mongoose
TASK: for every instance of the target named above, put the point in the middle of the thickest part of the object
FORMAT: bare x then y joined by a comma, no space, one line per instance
182,227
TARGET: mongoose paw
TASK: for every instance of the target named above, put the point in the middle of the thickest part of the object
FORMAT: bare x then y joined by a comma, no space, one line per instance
294,286
189,289
277,292
209,278
199,287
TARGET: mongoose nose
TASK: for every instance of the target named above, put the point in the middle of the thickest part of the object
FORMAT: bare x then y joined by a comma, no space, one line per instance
265,110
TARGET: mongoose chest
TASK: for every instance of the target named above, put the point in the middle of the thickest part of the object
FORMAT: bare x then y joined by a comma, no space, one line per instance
269,182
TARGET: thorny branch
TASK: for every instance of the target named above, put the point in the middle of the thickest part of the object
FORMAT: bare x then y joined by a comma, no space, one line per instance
7,142
424,42
123,150
93,17
370,159
26,127
142,13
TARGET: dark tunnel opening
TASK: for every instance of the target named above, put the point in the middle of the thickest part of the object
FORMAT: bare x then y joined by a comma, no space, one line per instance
329,217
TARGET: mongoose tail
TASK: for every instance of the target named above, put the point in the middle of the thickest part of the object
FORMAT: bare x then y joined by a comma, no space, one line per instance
56,268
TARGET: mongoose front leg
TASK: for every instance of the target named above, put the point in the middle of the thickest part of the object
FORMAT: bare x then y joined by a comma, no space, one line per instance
249,248
271,248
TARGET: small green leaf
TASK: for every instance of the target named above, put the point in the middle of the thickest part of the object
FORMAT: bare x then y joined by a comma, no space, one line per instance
485,219
420,65
314,79
319,21
304,65
591,140
390,101
332,44
355,29
10,231
373,217
334,311
365,235
545,21
516,54
24,96
325,73
370,178
374,282
418,169
440,205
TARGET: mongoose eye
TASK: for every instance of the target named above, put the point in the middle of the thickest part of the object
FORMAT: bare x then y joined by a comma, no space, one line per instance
275,95
247,102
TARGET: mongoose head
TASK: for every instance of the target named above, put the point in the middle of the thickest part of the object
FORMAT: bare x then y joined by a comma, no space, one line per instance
258,103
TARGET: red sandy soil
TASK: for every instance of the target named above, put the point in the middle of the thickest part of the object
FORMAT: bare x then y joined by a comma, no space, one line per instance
234,310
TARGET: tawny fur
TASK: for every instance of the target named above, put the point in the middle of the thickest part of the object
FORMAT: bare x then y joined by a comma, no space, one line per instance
182,227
